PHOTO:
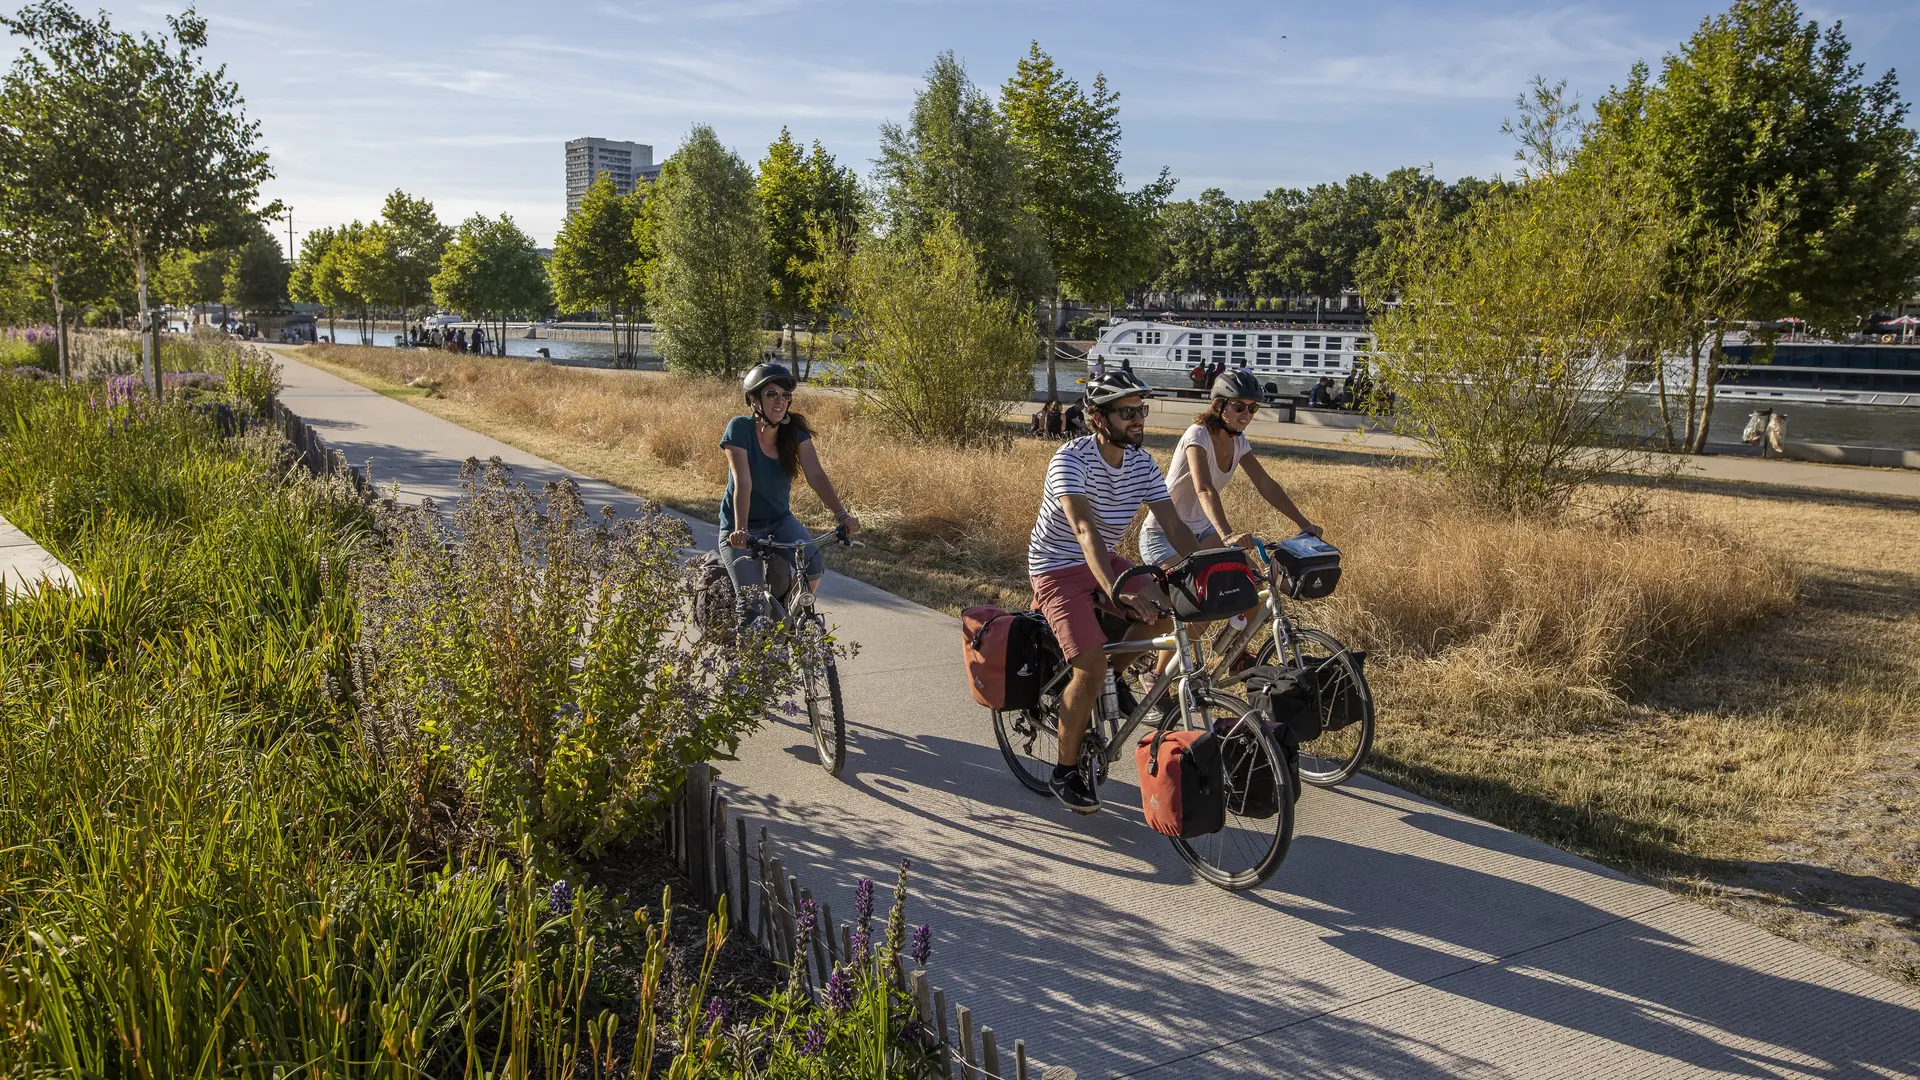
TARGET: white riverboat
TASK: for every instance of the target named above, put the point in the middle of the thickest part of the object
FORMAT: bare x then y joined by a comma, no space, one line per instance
1171,349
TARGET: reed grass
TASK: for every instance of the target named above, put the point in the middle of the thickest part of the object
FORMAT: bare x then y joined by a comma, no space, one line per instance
1648,689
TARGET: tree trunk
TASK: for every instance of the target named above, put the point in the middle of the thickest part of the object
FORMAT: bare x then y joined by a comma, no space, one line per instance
793,346
1713,375
1053,344
1660,390
1693,389
59,328
333,332
149,345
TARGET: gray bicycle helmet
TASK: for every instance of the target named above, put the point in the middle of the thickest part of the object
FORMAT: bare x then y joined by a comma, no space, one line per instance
1104,390
762,374
1238,383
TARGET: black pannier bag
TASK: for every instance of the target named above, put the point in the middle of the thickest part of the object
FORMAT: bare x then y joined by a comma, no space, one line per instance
711,592
1320,699
1213,584
1252,789
1311,565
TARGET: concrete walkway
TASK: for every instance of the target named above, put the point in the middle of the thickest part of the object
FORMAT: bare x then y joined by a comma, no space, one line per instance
1400,939
25,566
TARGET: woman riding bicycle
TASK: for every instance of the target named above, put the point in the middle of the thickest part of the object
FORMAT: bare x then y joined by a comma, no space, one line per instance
765,451
1203,463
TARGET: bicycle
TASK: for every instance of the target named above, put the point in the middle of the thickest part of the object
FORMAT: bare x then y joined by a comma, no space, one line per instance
792,604
1340,734
1254,841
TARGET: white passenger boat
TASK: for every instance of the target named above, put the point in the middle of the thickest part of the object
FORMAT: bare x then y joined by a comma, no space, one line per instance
1171,349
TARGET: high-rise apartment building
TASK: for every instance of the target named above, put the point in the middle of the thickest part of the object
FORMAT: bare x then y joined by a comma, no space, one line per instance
624,161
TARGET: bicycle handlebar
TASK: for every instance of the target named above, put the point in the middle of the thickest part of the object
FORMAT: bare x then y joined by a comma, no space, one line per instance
838,534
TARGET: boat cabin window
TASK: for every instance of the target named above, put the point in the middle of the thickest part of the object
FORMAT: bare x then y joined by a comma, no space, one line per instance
1220,355
1219,341
1285,359
1266,341
1284,341
1311,342
1149,337
1262,359
1309,360
1333,344
1240,358
1239,341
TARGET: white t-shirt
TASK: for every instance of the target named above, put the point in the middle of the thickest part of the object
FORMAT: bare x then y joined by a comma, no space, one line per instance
1116,494
1186,497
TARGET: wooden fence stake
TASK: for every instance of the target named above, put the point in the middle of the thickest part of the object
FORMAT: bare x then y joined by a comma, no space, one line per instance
698,842
946,1048
968,1065
846,941
746,896
717,847
826,931
989,1053
794,955
820,925
1019,1059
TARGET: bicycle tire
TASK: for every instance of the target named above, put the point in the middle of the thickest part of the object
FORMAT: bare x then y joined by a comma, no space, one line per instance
1246,851
1037,733
1333,757
827,715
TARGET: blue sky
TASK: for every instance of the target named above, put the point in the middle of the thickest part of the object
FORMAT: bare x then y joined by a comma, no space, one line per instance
468,103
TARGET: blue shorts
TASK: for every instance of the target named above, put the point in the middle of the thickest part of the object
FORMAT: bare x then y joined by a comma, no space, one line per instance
1156,548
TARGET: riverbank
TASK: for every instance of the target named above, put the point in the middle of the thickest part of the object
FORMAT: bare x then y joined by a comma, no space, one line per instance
1544,679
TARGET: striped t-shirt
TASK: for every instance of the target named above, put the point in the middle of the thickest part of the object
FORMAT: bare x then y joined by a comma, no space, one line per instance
1116,494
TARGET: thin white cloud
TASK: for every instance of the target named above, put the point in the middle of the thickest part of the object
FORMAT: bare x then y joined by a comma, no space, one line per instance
651,12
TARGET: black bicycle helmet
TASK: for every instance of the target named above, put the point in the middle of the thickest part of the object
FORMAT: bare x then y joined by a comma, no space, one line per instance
1103,390
762,374
1238,383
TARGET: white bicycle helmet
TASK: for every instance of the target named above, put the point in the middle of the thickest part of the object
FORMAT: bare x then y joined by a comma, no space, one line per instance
1105,389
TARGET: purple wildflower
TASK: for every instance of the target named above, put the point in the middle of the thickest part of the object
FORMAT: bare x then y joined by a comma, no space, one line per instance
808,912
560,898
922,945
863,899
839,991
716,1014
862,941
815,1042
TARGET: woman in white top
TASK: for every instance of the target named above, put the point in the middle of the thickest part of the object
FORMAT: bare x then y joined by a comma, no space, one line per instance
1204,462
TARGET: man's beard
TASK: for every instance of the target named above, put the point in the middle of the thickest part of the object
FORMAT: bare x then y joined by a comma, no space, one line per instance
1118,436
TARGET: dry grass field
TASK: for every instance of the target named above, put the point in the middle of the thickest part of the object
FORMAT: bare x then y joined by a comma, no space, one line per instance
1719,691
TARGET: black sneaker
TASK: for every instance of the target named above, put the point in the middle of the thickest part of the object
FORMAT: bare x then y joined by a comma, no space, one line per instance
1072,789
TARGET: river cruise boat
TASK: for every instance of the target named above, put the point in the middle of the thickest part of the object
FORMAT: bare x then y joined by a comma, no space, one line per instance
1164,350
1169,350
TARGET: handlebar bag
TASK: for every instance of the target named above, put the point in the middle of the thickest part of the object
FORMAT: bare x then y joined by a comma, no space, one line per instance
1213,584
1006,655
1182,790
1312,566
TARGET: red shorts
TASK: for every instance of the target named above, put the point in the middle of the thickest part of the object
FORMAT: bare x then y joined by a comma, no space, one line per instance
1065,597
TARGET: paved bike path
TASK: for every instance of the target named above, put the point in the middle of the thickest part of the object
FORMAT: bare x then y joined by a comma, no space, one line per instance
1399,939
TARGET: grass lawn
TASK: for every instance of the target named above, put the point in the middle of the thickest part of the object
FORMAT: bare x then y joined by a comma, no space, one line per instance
1719,691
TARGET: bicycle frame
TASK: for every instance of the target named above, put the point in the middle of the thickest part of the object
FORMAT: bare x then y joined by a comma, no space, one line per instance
799,599
1184,670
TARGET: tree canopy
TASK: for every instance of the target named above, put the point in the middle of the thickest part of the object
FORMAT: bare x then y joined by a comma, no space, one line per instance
708,289
491,271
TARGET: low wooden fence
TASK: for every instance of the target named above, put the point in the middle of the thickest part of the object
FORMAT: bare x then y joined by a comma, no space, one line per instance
740,867
761,896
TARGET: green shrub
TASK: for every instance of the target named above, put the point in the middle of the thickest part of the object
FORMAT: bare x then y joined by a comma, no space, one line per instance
521,662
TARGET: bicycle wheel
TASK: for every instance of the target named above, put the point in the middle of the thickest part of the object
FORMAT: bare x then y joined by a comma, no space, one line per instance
1259,795
1030,741
826,712
1333,757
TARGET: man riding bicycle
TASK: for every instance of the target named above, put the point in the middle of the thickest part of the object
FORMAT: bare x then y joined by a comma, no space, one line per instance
1095,484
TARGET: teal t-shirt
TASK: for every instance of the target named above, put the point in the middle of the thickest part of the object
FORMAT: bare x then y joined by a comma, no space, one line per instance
771,487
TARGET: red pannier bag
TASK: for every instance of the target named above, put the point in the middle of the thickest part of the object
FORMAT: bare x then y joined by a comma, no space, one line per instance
1006,656
1182,783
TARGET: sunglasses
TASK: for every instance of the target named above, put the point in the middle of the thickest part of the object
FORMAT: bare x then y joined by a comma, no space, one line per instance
1248,407
779,395
1130,412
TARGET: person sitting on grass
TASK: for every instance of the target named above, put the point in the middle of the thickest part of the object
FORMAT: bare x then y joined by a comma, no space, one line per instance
765,451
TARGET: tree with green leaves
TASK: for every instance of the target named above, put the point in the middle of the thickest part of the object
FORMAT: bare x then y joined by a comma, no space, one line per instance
187,278
254,277
313,280
956,158
394,261
935,350
1098,235
803,198
1505,352
708,290
164,156
491,272
329,283
593,255
1797,180
1208,247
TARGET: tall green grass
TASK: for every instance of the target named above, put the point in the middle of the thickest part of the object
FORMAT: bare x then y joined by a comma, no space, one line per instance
200,871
